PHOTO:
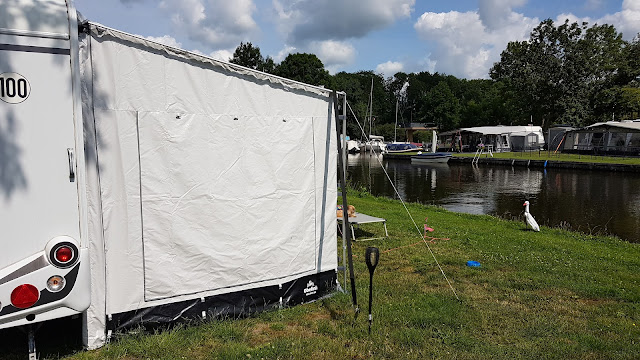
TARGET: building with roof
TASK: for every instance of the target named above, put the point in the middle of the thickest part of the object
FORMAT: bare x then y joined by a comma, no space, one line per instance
495,138
411,128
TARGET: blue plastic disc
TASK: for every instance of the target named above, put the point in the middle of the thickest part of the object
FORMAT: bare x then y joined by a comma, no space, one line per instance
473,263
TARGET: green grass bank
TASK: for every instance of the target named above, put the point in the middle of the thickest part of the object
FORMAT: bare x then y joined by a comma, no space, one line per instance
538,155
545,155
543,159
551,295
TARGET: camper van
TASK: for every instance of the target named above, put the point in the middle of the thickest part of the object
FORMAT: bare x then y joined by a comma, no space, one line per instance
122,198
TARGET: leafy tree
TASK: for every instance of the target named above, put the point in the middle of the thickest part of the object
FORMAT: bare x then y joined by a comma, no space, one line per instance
396,87
247,55
619,103
356,85
486,103
559,72
303,67
630,71
358,89
629,103
268,65
441,107
389,132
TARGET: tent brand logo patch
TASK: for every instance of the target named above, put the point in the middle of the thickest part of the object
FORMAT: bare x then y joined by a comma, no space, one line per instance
311,288
14,88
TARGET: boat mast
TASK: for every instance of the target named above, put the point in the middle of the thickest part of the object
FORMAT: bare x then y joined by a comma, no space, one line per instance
395,128
371,109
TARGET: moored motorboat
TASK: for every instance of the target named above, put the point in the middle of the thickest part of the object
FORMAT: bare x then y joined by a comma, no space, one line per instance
375,144
353,146
400,147
431,158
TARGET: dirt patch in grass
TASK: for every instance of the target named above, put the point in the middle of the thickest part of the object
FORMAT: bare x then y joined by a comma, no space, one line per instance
263,333
315,316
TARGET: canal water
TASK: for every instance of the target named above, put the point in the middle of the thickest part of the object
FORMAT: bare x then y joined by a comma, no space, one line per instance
586,201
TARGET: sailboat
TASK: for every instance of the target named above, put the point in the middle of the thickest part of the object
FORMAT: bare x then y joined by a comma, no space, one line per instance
400,146
374,143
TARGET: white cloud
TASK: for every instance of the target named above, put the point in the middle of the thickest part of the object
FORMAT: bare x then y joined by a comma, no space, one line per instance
389,68
627,20
214,23
496,14
560,19
333,54
467,44
302,21
224,55
631,5
166,40
282,54
428,64
464,45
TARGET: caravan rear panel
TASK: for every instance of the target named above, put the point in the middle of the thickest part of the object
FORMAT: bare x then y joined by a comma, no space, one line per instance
39,198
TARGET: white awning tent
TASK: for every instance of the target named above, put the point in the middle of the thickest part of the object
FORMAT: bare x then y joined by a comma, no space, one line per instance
626,125
211,187
614,137
501,138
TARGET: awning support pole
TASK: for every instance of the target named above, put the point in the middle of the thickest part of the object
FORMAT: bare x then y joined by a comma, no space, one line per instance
344,190
345,216
32,342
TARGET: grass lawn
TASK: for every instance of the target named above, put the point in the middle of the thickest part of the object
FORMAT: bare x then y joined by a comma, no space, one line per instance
552,295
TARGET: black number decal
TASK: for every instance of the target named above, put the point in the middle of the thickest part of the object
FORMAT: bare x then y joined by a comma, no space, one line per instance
11,87
14,88
22,88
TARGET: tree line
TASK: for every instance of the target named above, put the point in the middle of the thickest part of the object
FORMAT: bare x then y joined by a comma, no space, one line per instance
572,74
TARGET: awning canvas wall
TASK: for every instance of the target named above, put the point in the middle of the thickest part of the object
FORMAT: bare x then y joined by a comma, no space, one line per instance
208,179
615,137
501,138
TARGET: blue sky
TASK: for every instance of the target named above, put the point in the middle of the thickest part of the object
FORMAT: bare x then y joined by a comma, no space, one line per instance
458,37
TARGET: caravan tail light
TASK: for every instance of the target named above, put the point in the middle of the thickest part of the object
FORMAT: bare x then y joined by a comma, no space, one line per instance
64,254
24,296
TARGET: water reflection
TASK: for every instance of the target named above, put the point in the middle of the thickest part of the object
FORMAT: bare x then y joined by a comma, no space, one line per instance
588,201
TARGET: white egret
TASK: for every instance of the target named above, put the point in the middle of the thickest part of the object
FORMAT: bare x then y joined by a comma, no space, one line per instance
530,220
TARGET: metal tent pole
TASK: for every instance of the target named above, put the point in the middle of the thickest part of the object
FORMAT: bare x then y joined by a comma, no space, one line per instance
345,216
344,190
32,342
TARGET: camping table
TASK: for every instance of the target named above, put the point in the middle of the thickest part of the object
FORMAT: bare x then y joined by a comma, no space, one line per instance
365,219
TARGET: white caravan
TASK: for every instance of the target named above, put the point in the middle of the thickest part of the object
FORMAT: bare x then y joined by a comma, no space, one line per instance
123,194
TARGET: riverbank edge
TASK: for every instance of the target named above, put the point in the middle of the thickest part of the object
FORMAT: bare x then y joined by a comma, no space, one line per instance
530,163
550,164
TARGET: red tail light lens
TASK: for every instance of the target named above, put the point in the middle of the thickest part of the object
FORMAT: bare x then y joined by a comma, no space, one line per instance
24,296
64,254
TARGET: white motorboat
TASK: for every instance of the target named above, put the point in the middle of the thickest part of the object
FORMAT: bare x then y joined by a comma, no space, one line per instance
375,143
431,158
